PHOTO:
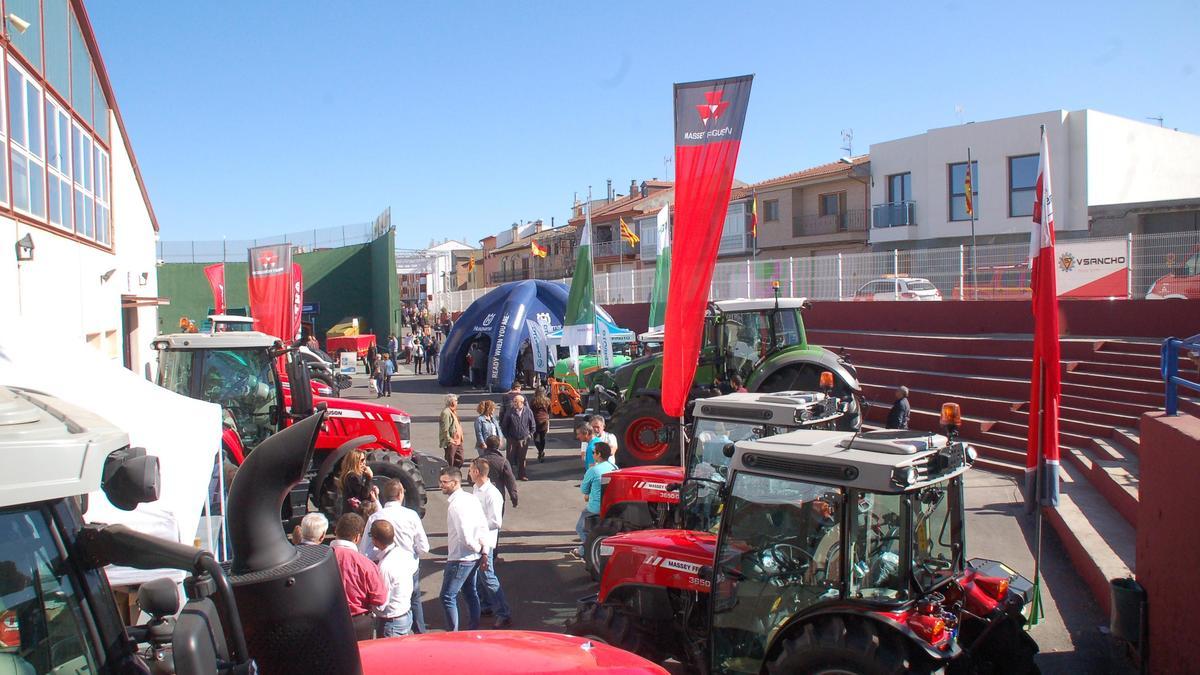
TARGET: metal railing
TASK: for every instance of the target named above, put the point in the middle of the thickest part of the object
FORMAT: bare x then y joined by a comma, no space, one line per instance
1171,347
234,250
837,277
854,220
894,214
608,249
509,275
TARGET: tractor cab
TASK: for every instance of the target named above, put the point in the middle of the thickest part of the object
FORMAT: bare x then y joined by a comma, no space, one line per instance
236,370
740,334
865,533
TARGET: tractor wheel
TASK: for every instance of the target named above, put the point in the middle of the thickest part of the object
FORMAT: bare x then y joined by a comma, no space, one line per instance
838,644
591,550
638,426
607,625
387,465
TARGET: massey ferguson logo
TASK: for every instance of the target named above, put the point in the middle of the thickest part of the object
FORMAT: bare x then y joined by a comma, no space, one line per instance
692,569
1068,262
713,107
646,485
267,260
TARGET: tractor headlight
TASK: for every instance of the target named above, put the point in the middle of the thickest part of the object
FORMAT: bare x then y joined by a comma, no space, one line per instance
904,476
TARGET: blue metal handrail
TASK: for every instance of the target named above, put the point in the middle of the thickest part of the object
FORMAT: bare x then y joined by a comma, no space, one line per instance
1170,369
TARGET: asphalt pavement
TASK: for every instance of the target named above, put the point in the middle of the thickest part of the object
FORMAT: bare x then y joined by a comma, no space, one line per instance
543,582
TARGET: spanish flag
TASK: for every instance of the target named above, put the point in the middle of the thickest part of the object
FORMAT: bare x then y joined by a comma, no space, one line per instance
537,250
969,189
628,234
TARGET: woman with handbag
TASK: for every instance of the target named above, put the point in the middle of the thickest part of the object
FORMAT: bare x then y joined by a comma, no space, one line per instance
486,425
450,432
354,482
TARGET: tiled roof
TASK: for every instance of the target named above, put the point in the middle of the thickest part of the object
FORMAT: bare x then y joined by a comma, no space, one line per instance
822,171
544,235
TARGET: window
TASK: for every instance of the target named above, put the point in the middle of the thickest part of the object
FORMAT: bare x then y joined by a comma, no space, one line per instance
770,210
958,198
29,41
81,74
58,163
43,625
833,203
103,210
874,547
58,45
733,232
25,131
100,106
3,148
1022,184
899,188
84,178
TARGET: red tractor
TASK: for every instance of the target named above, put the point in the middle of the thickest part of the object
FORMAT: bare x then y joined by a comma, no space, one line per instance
240,372
644,497
828,552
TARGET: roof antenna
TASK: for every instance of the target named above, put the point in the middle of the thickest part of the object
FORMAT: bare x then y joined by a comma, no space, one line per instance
667,160
848,142
1158,119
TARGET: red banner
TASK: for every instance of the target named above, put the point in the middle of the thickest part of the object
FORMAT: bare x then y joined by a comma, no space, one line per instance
297,301
270,289
708,131
216,281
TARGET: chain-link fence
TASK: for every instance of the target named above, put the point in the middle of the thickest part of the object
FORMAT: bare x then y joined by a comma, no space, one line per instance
994,272
304,241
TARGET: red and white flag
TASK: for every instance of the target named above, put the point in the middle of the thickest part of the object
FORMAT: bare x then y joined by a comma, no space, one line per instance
1046,381
216,281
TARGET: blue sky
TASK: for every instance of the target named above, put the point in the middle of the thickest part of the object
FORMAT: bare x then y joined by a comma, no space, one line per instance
259,118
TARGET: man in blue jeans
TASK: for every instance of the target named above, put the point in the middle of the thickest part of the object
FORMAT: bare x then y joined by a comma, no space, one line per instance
592,489
466,538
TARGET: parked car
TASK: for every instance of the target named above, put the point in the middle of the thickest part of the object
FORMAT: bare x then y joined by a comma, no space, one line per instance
1182,283
898,288
996,282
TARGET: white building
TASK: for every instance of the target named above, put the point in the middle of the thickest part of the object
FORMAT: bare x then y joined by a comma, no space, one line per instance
1098,160
70,186
442,275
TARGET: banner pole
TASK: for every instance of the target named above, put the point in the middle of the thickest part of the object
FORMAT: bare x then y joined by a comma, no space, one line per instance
974,266
682,447
1039,474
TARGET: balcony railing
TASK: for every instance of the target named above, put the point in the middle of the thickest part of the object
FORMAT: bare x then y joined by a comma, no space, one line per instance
609,249
894,214
847,221
510,275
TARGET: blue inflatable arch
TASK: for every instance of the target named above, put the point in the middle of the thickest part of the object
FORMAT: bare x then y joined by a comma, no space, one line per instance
500,317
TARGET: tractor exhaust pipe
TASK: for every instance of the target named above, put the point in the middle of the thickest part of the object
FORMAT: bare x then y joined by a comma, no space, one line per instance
290,597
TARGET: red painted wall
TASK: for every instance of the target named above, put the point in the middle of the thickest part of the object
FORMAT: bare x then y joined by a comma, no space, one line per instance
1168,550
1155,319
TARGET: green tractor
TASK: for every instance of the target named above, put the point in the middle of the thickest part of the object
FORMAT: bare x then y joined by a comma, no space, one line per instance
762,342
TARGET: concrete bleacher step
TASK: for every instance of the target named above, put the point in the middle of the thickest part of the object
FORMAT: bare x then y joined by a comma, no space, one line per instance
930,344
980,385
1149,360
928,420
1077,421
1149,399
972,406
1127,438
1100,542
1013,435
1122,408
1189,406
1004,366
1114,382
1113,471
1145,348
1150,373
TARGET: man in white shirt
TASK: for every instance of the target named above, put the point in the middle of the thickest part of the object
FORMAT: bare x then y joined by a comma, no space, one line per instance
466,546
409,536
597,423
395,567
493,510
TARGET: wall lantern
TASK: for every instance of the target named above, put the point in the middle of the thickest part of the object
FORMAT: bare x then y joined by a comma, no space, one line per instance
20,25
25,248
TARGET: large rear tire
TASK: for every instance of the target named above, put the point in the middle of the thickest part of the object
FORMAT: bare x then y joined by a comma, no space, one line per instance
607,625
387,465
591,551
638,426
850,645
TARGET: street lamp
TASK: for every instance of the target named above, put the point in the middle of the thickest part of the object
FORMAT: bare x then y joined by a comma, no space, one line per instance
25,248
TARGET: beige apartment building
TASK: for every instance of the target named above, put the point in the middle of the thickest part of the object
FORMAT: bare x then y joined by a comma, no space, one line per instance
818,211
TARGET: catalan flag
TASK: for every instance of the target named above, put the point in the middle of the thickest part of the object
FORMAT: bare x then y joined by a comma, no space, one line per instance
628,234
537,250
968,189
471,265
754,217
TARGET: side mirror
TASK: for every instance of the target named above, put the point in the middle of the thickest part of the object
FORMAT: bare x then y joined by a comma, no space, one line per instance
727,450
130,477
158,598
302,398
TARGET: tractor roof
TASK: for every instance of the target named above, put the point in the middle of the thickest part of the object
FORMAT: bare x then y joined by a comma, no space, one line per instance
747,305
226,340
879,461
69,444
777,408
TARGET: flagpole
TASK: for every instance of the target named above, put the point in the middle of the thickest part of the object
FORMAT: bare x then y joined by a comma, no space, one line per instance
971,198
1035,611
592,263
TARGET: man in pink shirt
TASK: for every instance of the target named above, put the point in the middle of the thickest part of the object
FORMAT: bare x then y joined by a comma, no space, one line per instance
360,577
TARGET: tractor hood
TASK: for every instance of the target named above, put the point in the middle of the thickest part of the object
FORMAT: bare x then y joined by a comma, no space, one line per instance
504,652
666,558
663,474
641,484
